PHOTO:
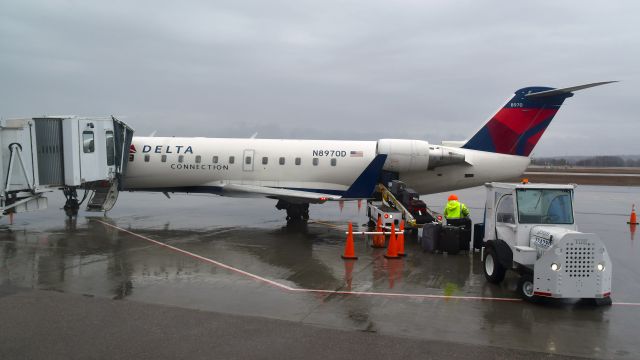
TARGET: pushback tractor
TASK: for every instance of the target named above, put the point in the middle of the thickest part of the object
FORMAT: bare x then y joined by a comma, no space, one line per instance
531,229
70,153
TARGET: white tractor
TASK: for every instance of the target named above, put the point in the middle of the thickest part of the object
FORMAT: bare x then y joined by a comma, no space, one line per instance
530,228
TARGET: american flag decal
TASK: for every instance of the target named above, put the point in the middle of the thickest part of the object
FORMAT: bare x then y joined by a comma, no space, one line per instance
356,154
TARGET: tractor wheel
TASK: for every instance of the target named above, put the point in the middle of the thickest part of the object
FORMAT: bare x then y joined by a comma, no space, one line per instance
601,302
494,272
526,289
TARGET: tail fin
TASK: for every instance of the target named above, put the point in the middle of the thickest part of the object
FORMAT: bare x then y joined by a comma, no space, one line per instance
516,128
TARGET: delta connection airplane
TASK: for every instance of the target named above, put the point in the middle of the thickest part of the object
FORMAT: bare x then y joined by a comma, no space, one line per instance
302,172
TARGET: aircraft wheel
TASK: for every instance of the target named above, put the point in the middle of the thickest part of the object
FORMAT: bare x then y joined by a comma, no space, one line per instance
494,272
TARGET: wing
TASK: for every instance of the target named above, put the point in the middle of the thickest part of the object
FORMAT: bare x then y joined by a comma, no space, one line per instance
362,188
293,196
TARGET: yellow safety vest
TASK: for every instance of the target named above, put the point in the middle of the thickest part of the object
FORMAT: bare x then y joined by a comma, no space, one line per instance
455,210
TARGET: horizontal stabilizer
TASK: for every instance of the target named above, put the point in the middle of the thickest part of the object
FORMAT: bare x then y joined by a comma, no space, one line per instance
565,90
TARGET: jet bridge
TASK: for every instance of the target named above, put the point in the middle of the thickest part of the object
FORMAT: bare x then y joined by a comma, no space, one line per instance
43,154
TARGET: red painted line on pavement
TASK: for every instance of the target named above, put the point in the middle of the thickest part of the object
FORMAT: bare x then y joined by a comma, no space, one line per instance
319,291
202,258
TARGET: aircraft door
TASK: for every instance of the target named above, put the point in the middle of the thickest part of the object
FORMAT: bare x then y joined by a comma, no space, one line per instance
506,219
247,160
90,136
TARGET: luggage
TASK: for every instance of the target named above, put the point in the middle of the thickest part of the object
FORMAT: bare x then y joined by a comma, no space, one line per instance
465,238
450,239
463,222
430,235
478,235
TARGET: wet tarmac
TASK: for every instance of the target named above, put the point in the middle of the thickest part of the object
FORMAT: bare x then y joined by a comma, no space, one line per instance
235,256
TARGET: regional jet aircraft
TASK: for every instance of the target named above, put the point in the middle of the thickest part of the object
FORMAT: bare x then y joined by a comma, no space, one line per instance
302,172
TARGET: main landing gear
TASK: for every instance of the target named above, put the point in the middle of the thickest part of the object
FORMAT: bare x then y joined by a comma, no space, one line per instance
296,213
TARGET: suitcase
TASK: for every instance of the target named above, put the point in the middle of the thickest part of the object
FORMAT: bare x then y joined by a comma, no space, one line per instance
465,238
430,235
450,239
462,222
478,235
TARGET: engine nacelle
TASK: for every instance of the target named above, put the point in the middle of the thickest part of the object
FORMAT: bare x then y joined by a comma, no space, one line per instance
404,155
442,156
416,155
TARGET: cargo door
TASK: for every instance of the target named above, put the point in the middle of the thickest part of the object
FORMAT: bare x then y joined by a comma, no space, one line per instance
49,151
247,160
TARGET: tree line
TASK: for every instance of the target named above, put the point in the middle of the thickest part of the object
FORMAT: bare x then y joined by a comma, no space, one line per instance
596,161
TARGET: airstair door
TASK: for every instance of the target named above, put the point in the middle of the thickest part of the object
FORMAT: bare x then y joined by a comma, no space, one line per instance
247,160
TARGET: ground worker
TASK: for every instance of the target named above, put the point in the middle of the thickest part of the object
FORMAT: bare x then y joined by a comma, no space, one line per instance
455,209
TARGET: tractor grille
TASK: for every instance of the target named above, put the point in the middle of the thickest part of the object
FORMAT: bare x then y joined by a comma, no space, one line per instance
579,260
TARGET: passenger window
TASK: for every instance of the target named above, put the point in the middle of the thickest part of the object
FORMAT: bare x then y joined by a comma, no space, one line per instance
180,158
147,157
198,159
247,160
281,161
111,148
505,212
232,159
265,160
298,161
215,159
315,161
163,158
87,142
334,161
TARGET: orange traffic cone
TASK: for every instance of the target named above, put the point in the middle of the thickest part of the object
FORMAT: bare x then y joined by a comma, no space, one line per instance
349,251
378,239
400,240
392,251
633,219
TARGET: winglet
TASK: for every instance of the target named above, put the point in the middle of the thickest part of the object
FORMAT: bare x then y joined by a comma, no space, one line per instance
365,184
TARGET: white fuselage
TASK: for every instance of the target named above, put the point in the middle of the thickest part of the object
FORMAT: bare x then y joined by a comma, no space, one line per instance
325,166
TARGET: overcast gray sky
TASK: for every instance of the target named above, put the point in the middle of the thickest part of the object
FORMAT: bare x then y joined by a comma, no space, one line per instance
430,70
